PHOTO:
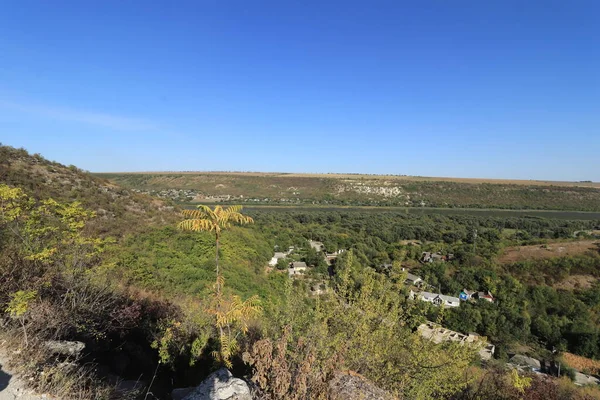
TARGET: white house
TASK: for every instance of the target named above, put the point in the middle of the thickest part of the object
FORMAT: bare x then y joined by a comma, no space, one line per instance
276,257
439,299
297,267
413,279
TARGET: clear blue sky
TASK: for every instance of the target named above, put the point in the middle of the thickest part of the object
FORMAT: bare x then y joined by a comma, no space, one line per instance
494,88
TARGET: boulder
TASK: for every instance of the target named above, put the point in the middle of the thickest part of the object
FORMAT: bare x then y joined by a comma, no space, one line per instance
220,385
65,347
345,386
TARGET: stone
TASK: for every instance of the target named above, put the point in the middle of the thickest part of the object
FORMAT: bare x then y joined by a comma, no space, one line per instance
345,386
65,347
221,385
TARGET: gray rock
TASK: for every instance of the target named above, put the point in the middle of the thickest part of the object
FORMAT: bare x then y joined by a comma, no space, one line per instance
221,385
355,387
65,347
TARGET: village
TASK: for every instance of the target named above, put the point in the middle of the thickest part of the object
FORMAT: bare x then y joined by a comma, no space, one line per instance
418,290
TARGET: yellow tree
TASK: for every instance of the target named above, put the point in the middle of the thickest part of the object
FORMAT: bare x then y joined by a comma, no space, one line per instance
229,313
213,220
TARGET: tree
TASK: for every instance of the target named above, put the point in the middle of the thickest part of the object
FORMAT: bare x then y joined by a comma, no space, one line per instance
213,220
230,314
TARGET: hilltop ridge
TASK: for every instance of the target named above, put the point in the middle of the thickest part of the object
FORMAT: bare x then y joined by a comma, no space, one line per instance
361,190
120,210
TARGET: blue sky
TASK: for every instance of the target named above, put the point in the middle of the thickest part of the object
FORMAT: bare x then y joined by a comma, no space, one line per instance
497,88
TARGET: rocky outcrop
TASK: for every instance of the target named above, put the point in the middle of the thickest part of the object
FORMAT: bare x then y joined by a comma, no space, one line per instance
64,347
346,386
220,385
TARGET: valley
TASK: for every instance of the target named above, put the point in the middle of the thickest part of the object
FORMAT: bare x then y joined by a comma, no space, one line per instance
369,276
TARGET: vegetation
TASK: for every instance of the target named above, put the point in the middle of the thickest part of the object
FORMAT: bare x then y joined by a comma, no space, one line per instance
362,190
135,288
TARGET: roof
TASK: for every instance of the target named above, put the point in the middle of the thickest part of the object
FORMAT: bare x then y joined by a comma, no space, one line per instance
299,264
412,277
450,299
279,255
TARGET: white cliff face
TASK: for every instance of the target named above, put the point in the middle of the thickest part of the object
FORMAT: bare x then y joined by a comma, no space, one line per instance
386,189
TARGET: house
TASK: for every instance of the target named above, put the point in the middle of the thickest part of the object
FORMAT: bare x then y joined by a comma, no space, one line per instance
485,296
413,280
296,268
438,334
439,299
467,294
277,257
329,257
427,256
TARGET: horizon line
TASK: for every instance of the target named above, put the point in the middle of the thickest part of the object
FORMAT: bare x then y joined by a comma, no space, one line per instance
584,183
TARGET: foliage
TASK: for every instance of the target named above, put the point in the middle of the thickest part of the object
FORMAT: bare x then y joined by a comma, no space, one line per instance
19,302
364,190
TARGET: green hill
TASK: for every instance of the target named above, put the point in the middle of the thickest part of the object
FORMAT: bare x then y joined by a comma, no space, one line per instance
361,190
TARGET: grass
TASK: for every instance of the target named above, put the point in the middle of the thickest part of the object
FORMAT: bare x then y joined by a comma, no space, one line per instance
365,190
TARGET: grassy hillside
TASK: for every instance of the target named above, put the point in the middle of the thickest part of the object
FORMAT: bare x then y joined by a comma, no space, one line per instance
255,188
119,211
151,252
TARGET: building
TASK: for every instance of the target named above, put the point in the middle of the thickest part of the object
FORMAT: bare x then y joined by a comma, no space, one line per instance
297,268
438,334
329,257
485,296
467,294
428,257
277,257
439,299
413,280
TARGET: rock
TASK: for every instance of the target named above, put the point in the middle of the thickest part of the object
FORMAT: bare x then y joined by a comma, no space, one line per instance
180,393
220,385
65,347
355,387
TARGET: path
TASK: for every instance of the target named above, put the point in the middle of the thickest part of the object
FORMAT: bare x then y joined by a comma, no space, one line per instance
11,387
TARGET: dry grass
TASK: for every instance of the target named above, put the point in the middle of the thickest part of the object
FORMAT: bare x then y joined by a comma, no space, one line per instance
573,282
528,182
583,364
62,378
550,250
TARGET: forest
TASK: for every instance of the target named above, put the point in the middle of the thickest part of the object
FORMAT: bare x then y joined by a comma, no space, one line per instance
83,259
